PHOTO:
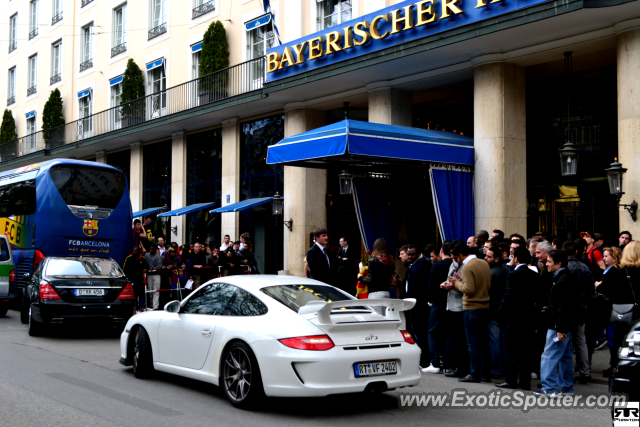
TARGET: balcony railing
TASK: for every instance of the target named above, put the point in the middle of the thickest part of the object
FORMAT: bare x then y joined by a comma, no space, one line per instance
13,46
155,32
233,81
32,90
11,100
86,65
118,49
33,33
85,2
57,18
204,8
55,79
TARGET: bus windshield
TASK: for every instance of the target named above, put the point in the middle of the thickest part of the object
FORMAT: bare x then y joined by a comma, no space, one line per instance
88,186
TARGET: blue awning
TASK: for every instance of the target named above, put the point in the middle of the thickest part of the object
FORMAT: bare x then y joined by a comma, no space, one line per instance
263,20
155,64
196,47
187,209
350,144
30,114
245,204
148,211
115,81
84,93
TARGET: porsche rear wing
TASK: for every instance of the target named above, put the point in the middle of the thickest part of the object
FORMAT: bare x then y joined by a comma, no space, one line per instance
324,309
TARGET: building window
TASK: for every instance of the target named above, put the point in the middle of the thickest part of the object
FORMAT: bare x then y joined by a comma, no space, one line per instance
11,86
158,15
201,7
56,12
116,92
333,12
56,61
119,30
13,33
157,82
85,124
259,40
31,138
33,19
195,64
32,86
87,48
156,183
85,2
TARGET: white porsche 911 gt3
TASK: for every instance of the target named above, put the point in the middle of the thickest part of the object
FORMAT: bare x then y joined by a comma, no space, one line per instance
275,335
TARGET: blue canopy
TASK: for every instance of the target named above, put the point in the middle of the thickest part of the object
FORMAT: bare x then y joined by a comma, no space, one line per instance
245,204
348,142
187,209
148,211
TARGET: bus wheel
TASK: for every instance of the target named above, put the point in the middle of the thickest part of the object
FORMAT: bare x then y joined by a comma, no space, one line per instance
24,311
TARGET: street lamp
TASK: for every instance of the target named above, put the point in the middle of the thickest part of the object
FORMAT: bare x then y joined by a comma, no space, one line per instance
277,209
345,183
569,159
614,177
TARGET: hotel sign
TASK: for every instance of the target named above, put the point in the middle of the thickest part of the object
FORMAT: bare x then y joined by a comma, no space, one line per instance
394,25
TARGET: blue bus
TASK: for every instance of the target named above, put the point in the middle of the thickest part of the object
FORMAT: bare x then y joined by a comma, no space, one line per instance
64,208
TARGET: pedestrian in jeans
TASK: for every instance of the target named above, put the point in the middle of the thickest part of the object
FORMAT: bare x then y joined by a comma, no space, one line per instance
474,282
556,368
154,261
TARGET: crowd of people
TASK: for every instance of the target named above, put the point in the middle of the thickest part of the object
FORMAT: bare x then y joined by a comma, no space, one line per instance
171,267
510,309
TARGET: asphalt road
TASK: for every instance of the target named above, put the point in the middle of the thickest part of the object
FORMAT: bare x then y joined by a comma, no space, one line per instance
73,378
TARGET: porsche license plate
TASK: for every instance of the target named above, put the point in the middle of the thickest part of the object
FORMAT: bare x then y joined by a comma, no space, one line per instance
88,292
372,369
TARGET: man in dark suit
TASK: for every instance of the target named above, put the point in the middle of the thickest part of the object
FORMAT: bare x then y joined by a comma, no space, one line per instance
347,262
517,314
320,266
416,286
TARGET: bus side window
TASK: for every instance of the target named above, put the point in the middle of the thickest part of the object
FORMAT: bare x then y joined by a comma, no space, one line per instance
4,251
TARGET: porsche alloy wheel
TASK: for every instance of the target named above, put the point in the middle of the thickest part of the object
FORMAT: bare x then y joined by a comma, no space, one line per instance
142,358
241,376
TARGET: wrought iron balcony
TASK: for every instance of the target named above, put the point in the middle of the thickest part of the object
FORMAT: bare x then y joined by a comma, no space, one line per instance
204,8
57,18
85,2
55,79
13,46
32,90
155,32
118,49
33,33
11,100
86,65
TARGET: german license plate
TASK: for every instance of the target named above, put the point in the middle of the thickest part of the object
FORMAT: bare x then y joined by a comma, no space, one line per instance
88,292
372,369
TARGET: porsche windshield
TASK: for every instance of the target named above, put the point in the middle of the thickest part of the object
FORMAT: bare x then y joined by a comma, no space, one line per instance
296,296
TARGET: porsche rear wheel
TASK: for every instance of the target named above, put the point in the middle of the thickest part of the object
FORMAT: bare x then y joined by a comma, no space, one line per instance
142,356
241,379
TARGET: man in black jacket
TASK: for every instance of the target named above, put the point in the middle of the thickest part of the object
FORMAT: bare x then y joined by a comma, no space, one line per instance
318,258
497,345
437,298
415,286
347,262
556,368
516,312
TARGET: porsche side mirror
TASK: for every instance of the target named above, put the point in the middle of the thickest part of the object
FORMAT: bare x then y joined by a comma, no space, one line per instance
172,307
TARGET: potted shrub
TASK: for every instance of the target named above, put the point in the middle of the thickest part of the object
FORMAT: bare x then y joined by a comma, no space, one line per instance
132,97
53,120
8,134
213,57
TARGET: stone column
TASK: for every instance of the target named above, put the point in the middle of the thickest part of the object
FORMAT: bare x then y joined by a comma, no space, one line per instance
178,185
101,156
629,120
135,177
499,127
230,176
389,106
304,193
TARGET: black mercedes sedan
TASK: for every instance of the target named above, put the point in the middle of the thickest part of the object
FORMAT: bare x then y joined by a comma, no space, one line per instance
66,290
625,376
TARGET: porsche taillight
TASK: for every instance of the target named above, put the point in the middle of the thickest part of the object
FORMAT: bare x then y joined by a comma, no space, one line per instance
47,292
127,292
312,342
407,337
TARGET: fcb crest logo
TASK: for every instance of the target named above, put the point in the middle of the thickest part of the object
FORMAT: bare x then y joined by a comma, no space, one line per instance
90,227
